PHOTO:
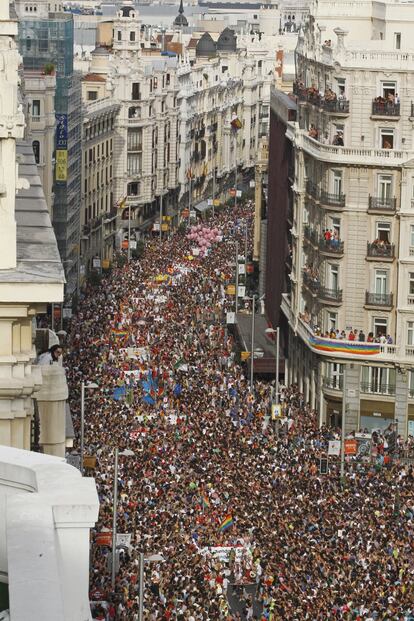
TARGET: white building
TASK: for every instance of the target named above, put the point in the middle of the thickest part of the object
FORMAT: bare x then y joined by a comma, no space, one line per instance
352,219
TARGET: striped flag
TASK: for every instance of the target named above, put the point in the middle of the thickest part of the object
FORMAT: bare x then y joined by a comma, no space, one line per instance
226,523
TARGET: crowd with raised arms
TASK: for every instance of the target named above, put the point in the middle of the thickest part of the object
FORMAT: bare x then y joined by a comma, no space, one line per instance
205,479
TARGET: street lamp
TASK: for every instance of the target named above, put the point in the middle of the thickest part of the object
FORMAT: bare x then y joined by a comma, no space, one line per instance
277,350
91,385
124,453
151,558
254,298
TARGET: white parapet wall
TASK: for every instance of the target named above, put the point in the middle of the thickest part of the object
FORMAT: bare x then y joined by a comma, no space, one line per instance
46,512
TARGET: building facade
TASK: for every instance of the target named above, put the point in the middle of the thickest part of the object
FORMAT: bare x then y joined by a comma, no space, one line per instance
344,146
98,217
39,90
31,274
46,45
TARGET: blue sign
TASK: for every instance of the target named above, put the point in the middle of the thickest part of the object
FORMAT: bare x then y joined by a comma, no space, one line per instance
61,131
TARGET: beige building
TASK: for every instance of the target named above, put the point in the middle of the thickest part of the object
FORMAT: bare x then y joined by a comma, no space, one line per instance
98,216
31,273
352,218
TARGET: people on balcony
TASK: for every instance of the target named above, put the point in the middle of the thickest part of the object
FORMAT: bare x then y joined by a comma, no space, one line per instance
353,334
313,132
338,140
331,238
381,247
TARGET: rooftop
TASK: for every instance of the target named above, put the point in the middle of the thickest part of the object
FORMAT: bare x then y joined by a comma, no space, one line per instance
38,259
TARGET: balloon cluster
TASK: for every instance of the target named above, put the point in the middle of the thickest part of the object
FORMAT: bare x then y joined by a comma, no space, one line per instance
204,237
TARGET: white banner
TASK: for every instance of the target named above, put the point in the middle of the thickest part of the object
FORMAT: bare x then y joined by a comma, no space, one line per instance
123,540
334,447
231,317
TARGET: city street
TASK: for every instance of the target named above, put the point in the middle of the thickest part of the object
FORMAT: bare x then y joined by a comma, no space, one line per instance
205,489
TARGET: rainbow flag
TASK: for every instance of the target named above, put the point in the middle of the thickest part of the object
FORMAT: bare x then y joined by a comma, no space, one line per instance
226,523
344,347
117,332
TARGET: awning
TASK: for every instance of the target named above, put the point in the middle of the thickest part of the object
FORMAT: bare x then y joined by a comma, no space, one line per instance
264,361
202,206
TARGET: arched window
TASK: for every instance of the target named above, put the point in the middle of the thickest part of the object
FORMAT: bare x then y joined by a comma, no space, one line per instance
28,44
36,150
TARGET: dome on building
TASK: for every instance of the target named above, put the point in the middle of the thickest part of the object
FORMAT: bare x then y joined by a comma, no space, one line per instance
181,19
206,46
126,8
227,41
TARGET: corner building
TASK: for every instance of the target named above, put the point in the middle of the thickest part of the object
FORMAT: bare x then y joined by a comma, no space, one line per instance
344,142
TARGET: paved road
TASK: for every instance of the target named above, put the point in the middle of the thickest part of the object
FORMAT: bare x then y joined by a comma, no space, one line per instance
236,600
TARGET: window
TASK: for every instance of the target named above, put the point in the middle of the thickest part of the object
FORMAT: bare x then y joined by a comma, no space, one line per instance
337,182
134,163
340,83
384,187
332,321
380,325
134,140
386,138
92,95
132,35
134,112
335,375
136,93
410,333
388,88
133,189
397,40
411,393
36,107
36,150
412,235
334,277
379,380
411,283
381,282
383,231
336,226
119,35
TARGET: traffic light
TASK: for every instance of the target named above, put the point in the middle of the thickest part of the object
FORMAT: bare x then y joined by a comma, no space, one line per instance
323,465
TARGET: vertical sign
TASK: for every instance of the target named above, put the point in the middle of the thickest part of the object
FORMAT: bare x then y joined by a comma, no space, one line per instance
61,147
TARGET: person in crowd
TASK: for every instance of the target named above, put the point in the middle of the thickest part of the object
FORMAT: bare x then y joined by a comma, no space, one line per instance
222,498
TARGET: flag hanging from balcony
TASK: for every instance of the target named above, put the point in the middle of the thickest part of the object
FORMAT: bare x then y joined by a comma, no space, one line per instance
121,203
236,123
189,173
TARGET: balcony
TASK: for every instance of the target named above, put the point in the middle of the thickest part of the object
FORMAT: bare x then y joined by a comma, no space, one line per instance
330,296
312,283
380,251
312,189
340,349
334,154
380,204
310,235
331,247
377,388
300,92
332,383
385,108
382,300
338,107
332,201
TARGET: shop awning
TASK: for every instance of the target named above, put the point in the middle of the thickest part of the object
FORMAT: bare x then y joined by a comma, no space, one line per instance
265,360
202,206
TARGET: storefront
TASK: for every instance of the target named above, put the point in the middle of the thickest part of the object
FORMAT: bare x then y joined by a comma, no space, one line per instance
376,414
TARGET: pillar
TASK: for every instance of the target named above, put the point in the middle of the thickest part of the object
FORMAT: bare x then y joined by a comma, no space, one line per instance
51,401
401,401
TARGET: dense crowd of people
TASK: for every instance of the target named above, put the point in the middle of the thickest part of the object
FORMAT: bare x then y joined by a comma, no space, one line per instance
225,495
